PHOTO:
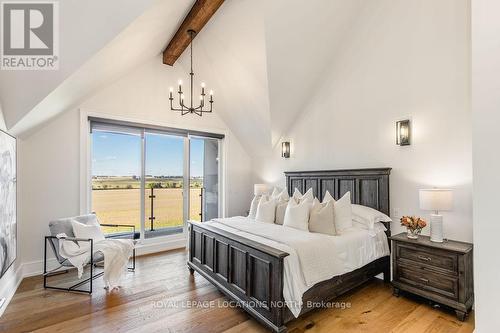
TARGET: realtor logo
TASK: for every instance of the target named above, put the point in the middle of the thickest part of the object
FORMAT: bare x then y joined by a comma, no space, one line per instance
30,35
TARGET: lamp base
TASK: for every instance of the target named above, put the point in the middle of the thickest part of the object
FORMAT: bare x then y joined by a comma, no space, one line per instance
436,228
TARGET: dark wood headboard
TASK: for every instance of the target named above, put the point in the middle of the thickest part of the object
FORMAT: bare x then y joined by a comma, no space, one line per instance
369,187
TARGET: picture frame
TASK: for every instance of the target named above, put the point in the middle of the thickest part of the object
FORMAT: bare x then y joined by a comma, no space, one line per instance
8,201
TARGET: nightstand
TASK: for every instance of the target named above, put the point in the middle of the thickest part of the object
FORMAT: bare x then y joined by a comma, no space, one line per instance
441,272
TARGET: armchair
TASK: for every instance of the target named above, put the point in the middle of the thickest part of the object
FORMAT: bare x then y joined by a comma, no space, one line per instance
96,259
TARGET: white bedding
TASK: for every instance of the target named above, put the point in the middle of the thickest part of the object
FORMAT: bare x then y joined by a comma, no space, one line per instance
313,257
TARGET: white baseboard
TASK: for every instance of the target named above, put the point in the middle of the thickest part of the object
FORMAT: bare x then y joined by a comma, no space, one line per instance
33,268
173,244
11,281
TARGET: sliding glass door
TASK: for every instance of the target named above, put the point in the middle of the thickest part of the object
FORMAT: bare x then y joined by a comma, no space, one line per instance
139,177
164,184
204,178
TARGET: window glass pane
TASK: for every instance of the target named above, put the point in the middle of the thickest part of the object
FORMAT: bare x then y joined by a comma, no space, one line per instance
164,185
195,178
116,170
204,179
210,179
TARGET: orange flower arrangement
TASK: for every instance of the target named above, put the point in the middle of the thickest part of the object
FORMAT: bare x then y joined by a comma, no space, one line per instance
414,224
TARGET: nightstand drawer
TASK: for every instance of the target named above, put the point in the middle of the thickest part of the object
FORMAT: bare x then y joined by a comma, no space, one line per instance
442,260
433,282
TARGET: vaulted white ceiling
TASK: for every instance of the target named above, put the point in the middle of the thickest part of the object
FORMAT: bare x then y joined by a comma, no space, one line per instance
99,42
264,58
302,38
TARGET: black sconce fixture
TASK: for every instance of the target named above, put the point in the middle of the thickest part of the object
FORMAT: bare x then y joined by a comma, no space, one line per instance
403,132
285,149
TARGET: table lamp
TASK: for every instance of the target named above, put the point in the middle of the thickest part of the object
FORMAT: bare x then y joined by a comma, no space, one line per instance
436,200
260,189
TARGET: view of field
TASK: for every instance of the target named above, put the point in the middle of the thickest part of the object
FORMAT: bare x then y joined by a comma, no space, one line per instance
117,200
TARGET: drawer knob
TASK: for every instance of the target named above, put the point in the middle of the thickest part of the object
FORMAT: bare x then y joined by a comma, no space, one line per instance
424,280
424,258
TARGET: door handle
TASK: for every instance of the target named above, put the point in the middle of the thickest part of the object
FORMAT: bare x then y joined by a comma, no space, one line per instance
201,204
424,258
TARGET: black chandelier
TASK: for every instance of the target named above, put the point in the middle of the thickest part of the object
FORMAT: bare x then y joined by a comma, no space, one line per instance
183,109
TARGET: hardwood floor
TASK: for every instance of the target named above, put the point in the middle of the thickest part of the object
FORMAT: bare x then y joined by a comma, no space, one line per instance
155,297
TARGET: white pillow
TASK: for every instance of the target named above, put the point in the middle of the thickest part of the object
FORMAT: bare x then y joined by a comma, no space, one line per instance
321,218
87,231
266,210
368,216
283,196
308,196
297,215
253,206
377,227
328,197
280,212
276,193
342,213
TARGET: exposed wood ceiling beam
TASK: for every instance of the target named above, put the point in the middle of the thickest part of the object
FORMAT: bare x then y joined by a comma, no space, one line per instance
198,16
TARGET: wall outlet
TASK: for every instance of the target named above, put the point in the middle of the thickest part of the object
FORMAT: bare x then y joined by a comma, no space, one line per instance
396,213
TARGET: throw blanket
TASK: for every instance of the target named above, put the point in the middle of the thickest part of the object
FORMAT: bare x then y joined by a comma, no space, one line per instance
116,255
313,257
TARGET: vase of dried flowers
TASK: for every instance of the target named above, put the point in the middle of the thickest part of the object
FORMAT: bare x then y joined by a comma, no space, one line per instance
414,226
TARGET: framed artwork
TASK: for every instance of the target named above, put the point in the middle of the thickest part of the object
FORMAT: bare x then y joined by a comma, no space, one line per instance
8,202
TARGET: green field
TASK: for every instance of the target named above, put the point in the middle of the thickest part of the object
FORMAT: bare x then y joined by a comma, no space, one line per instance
116,200
115,183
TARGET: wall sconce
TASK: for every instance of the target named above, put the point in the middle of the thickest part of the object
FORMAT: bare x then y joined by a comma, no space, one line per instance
285,149
403,132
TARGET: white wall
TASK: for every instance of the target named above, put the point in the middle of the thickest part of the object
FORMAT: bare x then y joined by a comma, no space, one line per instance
50,158
400,59
486,161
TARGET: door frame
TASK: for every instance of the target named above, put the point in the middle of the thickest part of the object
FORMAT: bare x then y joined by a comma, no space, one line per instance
220,204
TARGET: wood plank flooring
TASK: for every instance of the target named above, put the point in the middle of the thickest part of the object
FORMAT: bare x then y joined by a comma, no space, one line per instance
155,298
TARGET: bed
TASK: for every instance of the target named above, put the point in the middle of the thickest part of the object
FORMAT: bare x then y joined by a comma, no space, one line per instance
251,271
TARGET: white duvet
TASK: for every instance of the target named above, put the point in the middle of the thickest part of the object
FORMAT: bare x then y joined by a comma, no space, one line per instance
313,257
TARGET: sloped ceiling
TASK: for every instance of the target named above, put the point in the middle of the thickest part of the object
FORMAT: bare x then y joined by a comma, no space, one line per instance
85,28
230,55
143,28
263,58
302,38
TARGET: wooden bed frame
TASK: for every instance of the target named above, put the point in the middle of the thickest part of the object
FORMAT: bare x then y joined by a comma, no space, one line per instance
251,273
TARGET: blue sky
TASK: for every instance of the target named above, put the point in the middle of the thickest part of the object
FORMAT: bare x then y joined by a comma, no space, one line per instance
116,154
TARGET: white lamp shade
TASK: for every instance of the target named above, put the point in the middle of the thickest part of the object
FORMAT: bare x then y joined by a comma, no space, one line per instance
436,199
260,189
